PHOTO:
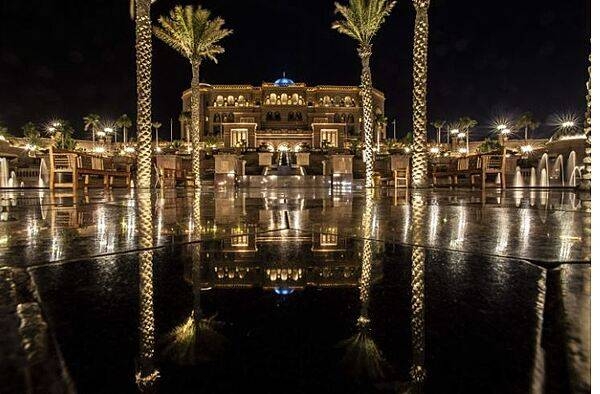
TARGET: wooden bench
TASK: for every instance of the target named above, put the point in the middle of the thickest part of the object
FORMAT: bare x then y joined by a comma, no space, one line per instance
173,170
494,165
78,164
400,166
447,169
472,167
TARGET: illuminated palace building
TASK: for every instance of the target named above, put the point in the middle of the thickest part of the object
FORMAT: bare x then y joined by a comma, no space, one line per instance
283,115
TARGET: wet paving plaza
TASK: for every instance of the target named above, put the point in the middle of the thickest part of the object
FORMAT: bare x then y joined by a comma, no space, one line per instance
296,290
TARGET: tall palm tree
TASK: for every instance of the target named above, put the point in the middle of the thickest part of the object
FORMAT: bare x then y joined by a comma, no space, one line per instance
124,122
361,20
526,122
91,123
439,124
191,32
421,36
140,9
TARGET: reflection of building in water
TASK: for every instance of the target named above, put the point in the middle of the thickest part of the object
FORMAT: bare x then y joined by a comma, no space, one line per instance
284,259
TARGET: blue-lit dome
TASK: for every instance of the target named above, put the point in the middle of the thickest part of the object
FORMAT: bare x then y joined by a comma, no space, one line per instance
283,81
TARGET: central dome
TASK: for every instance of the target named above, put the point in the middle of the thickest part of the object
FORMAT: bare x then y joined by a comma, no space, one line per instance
283,81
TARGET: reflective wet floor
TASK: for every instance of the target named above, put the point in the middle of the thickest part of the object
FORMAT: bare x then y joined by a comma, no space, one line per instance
309,291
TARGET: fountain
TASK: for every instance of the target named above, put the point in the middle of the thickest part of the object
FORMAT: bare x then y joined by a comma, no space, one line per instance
12,181
543,171
557,176
3,172
572,170
518,178
533,178
44,176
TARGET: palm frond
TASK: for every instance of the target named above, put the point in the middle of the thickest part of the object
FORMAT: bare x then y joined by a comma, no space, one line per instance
362,19
191,32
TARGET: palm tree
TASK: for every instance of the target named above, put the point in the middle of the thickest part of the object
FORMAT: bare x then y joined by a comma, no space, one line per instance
421,36
191,32
140,9
91,123
527,122
361,20
124,122
439,124
466,124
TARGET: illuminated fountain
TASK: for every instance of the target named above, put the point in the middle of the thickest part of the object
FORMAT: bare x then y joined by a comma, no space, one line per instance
543,171
572,171
12,181
44,176
3,172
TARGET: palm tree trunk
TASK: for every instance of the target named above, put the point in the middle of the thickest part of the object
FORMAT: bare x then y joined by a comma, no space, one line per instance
367,104
196,123
586,183
143,50
419,167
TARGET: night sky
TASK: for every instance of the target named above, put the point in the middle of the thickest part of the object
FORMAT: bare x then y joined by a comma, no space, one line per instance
65,59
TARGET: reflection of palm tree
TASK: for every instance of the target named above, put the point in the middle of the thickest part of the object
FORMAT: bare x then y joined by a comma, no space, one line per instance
197,338
146,374
417,372
362,21
362,353
419,172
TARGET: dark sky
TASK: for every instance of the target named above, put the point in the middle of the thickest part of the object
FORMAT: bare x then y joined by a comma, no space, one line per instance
69,58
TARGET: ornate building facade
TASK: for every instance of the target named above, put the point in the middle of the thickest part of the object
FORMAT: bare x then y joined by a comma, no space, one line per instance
283,115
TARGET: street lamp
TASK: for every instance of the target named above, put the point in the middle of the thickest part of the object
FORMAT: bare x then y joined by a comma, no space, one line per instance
568,124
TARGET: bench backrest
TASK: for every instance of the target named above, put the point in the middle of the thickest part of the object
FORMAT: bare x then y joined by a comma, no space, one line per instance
474,162
90,162
61,160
